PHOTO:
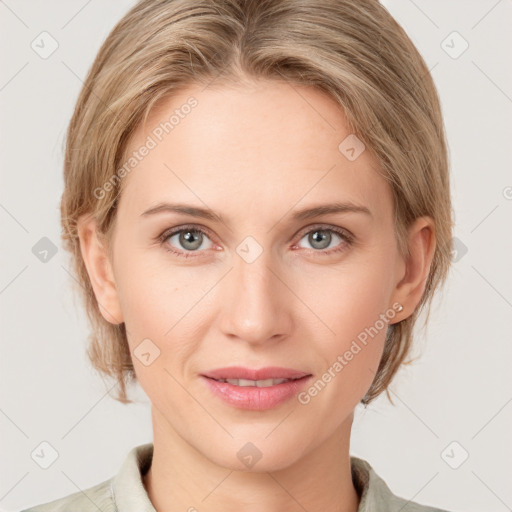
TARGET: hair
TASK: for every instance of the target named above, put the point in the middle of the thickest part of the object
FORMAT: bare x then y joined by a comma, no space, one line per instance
352,50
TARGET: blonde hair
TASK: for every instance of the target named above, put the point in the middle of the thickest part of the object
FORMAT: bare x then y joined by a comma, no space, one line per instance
353,50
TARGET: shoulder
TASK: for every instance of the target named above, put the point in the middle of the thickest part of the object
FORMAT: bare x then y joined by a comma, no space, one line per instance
98,497
376,495
124,491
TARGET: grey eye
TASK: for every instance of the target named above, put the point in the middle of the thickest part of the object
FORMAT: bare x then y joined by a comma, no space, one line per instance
321,238
189,239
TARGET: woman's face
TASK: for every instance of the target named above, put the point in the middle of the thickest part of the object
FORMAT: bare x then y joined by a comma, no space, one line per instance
268,286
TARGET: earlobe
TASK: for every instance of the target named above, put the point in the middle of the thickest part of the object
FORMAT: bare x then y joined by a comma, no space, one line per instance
410,288
100,271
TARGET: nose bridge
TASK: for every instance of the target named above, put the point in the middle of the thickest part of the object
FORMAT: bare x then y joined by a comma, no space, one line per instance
254,309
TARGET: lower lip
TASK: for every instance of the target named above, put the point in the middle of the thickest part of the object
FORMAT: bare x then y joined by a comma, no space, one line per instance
254,398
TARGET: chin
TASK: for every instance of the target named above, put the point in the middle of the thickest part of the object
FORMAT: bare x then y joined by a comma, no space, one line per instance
255,453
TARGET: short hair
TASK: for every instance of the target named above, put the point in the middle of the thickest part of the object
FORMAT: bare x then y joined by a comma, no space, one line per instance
352,50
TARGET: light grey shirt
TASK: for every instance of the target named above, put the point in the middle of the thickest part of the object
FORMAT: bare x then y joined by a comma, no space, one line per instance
125,491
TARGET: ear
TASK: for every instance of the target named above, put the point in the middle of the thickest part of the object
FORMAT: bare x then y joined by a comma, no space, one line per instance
100,270
410,288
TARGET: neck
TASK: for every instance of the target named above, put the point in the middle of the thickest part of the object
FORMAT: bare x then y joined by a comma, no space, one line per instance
181,478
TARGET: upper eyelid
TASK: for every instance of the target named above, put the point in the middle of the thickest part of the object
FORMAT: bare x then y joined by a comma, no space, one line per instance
191,227
326,227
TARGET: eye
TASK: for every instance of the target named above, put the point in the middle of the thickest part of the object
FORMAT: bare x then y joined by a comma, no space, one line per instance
321,237
185,240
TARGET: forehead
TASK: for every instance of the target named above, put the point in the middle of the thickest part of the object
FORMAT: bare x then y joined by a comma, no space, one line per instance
274,141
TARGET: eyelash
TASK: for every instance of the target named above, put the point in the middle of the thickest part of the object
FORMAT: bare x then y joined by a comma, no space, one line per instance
348,238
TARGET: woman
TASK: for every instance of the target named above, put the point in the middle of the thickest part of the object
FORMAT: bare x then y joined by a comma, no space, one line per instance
257,205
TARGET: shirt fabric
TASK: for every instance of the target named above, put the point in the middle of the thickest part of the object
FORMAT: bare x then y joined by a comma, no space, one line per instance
125,491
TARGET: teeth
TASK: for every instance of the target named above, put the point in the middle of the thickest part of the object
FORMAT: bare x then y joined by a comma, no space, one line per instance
258,383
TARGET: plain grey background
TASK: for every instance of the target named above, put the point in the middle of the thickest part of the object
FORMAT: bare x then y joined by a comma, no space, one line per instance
454,402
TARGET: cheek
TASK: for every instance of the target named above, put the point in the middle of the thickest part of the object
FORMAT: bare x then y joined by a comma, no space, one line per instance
163,304
151,293
353,307
348,299
350,355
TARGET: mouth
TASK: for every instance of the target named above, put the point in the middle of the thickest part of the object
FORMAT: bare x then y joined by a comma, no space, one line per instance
257,390
264,383
261,377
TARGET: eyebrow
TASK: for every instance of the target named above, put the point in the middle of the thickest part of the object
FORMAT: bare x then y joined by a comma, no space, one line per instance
303,214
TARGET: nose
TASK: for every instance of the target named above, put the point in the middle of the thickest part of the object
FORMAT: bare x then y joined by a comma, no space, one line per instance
256,303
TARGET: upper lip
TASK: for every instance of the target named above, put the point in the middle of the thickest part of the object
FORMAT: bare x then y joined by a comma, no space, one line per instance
270,372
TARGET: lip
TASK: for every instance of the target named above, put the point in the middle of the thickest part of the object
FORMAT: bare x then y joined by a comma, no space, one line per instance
270,372
252,397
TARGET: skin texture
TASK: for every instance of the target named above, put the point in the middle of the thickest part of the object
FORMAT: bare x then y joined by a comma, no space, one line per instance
254,153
